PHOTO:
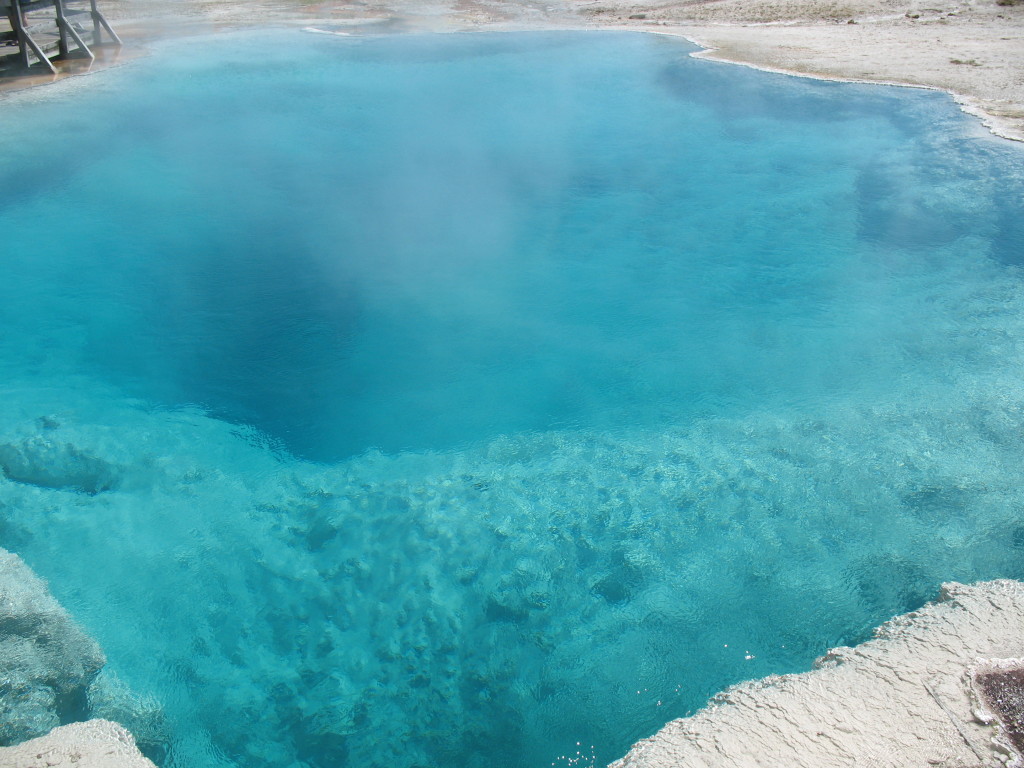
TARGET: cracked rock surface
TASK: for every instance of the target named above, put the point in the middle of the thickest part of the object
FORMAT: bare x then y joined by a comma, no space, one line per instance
901,699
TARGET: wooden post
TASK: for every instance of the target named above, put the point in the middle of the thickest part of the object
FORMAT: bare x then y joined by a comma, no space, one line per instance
66,27
58,12
12,14
18,25
97,30
25,41
98,20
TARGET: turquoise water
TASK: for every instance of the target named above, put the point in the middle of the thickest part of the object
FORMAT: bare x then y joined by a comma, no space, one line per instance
489,400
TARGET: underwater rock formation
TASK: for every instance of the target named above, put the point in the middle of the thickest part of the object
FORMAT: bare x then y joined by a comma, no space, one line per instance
110,698
52,464
46,661
51,671
92,744
907,697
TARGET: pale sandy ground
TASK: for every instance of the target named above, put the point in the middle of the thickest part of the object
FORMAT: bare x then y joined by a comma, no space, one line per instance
903,700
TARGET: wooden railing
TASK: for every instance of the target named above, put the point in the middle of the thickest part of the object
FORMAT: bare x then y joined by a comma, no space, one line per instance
47,36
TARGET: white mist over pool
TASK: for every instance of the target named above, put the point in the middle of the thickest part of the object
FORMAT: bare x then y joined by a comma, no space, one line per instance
433,401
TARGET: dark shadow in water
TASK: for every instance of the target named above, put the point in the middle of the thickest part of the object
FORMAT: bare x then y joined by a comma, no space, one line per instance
256,333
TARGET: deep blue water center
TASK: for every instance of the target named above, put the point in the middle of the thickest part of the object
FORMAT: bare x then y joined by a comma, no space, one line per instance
489,400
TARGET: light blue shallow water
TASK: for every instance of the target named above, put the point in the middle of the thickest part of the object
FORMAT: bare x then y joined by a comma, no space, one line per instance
490,400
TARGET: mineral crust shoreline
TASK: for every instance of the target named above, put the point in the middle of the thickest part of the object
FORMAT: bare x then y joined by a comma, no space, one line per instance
972,49
908,697
905,698
92,744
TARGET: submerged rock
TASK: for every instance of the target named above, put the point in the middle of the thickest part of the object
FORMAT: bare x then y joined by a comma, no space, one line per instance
51,673
92,744
46,661
110,698
52,464
907,697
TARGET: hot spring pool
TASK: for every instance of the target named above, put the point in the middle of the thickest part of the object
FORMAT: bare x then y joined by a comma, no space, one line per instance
490,400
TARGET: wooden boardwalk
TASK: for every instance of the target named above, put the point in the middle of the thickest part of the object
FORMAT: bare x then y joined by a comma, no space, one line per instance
41,30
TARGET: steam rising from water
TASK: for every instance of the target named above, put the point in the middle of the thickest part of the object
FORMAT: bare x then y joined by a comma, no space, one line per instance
450,401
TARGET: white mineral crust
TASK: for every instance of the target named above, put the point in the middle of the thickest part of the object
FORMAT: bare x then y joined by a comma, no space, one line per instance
901,700
92,744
